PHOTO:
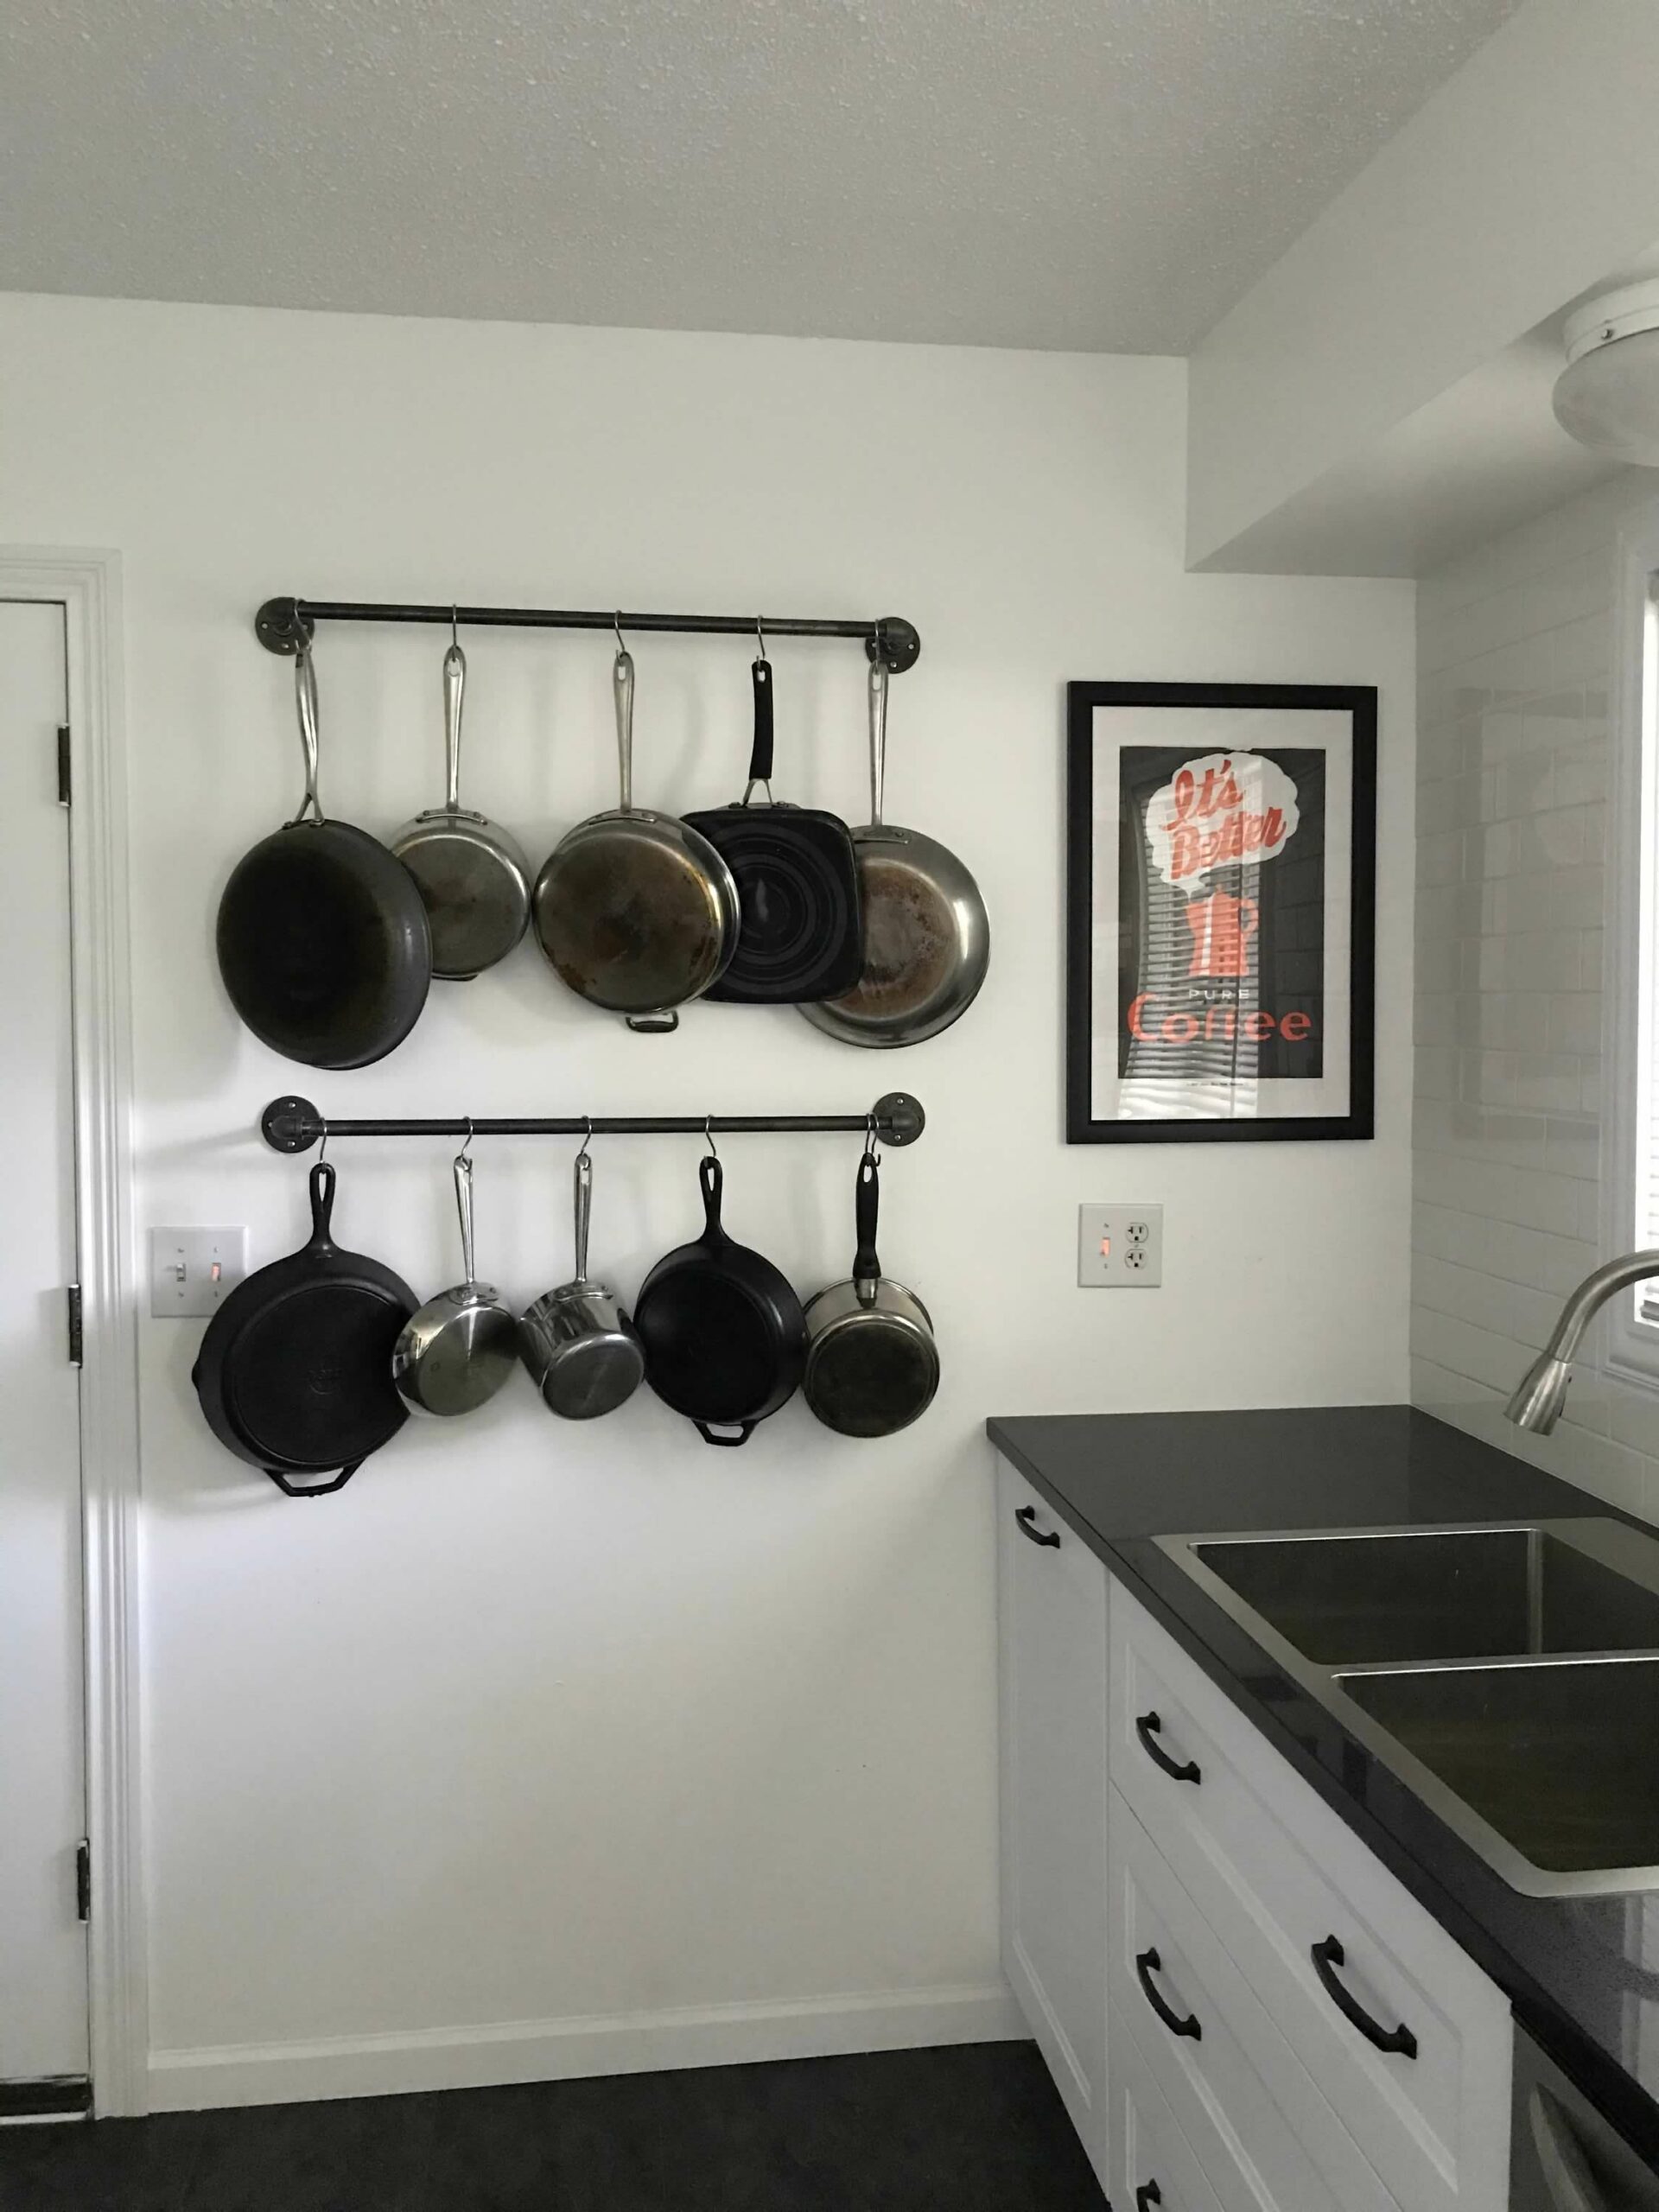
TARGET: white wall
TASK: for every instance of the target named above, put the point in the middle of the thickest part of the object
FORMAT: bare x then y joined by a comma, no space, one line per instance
532,1724
1517,646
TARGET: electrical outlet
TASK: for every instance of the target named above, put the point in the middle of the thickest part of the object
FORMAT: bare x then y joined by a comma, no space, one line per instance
192,1270
1120,1247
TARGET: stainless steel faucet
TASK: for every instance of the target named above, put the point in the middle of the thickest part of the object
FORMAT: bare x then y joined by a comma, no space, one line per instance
1541,1391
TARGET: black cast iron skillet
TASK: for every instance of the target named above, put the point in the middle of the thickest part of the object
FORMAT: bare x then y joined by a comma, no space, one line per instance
323,940
797,884
294,1372
724,1335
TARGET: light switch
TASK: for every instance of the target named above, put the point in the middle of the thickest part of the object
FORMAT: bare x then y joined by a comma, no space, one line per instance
192,1270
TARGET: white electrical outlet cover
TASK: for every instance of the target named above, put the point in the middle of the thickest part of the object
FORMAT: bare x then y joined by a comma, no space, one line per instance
193,1271
1120,1247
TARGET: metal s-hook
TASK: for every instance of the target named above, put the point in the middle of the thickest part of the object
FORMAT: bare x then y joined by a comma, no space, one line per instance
871,1136
586,1135
322,1151
466,1152
616,625
709,1135
760,639
454,627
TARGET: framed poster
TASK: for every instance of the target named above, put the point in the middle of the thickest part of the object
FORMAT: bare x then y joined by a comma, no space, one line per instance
1221,878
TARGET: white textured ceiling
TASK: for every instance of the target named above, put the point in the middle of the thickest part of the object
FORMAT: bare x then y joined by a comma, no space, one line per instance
1099,174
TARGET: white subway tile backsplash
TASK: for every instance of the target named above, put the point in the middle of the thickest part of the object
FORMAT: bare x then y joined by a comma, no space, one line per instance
1515,644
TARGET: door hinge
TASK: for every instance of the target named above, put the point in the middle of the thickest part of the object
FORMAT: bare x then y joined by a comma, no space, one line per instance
63,766
73,1295
83,1879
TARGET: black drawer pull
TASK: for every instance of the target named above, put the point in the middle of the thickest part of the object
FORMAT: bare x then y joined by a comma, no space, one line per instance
1147,1964
1326,1957
1026,1516
1148,2194
1149,1727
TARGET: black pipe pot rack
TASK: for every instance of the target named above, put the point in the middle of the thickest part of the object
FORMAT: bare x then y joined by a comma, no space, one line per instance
294,1125
282,626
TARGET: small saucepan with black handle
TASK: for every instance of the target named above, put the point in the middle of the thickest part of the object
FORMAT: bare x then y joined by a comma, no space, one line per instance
872,1359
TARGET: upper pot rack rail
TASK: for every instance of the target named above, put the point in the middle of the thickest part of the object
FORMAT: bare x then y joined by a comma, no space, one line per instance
295,1124
283,624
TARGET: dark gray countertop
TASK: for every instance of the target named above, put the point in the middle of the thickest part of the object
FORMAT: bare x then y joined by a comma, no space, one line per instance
1583,1974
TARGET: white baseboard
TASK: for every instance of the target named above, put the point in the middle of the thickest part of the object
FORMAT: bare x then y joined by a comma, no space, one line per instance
551,2050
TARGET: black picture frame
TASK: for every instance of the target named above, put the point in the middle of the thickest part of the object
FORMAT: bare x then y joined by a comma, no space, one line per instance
1084,1124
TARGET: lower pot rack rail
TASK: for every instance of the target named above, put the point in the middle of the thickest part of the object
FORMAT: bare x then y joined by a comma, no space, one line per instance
295,1124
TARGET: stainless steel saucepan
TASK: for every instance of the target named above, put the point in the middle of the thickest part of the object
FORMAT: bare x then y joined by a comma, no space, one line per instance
578,1343
927,937
455,1354
872,1361
471,875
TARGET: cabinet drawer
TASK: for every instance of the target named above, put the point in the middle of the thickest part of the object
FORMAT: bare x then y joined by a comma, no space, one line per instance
1278,1876
1265,2136
1154,2168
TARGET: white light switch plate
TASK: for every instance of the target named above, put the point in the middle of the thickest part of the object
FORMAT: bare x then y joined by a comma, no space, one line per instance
192,1270
1120,1247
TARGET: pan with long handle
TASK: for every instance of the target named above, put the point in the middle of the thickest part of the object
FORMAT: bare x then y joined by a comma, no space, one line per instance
455,1354
322,938
724,1335
797,877
471,875
872,1360
582,1351
927,937
635,911
294,1371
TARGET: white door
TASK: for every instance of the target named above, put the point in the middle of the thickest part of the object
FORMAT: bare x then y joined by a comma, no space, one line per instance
43,1994
1051,1646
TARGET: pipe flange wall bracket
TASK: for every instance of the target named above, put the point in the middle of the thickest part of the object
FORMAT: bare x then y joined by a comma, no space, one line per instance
284,1123
896,642
280,628
899,1118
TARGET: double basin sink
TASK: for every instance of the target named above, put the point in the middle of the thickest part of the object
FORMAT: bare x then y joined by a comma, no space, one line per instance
1507,1673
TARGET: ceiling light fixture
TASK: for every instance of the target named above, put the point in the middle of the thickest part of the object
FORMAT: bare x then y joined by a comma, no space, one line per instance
1607,396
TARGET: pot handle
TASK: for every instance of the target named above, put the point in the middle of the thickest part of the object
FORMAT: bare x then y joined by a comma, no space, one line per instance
709,1431
878,739
760,751
305,699
464,1208
622,691
867,1267
312,1490
455,683
711,1177
584,1208
323,1205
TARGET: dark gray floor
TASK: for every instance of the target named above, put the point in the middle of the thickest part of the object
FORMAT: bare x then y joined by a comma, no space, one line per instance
977,2128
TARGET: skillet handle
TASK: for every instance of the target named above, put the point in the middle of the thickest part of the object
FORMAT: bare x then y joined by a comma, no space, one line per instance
867,1267
709,1431
312,1490
455,683
305,698
878,739
322,1205
760,752
712,1179
622,692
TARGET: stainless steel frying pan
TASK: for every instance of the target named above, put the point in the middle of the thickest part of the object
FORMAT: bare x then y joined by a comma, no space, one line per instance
580,1346
927,937
636,911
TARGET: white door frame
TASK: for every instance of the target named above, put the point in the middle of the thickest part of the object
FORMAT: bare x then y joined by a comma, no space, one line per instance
87,584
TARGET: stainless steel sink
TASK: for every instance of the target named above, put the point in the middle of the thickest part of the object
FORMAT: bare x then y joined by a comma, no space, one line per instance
1561,1759
1459,1593
1509,1673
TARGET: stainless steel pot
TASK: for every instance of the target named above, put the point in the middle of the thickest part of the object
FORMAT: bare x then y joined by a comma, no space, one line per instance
578,1343
457,1350
927,937
636,911
871,1362
472,877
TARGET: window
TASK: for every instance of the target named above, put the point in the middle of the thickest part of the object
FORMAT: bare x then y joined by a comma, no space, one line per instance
1631,1163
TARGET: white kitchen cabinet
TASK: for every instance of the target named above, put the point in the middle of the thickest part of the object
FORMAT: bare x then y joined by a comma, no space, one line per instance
1051,1613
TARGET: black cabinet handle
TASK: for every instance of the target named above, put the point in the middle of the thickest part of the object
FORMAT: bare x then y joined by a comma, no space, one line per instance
1026,1516
1327,1956
1147,2193
1149,1727
1147,1964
